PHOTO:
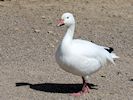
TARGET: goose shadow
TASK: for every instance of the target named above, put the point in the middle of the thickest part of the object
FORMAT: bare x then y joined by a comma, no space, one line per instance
56,87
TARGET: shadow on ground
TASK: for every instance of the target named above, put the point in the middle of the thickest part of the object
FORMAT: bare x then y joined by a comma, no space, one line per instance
55,87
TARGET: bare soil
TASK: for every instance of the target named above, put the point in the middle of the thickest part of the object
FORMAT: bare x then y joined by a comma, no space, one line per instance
29,38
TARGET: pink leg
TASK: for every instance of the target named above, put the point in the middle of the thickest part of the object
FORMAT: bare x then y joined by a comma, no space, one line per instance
85,89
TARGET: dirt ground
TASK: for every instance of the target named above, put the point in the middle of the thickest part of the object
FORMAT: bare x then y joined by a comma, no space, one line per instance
29,38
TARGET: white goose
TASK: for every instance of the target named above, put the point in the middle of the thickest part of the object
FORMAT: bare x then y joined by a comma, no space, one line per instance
80,57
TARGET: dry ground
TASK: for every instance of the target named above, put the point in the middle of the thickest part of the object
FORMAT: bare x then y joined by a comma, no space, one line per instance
29,38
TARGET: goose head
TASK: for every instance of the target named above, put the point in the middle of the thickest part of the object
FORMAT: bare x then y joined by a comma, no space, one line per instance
67,19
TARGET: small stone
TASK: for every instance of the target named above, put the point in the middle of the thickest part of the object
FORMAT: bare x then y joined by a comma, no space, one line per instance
111,93
52,45
103,76
43,17
37,31
56,41
131,79
118,73
50,23
50,32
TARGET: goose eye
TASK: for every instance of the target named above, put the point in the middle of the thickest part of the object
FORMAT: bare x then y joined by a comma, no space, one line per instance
67,17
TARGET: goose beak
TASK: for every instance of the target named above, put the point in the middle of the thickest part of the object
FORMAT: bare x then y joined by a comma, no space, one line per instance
60,22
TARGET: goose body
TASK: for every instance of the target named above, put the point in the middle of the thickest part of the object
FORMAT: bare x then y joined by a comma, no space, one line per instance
80,57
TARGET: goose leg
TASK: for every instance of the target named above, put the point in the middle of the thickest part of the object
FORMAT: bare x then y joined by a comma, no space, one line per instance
85,89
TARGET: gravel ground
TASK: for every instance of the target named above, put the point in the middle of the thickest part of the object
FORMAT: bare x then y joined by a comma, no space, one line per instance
29,38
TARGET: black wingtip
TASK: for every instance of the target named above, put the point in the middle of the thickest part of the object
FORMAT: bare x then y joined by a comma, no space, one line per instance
110,49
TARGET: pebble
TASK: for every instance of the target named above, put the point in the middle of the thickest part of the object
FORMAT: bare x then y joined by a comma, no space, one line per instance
118,73
37,31
103,76
49,23
56,41
43,17
52,45
50,32
131,79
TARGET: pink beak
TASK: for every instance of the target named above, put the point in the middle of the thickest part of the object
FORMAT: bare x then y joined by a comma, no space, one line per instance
60,22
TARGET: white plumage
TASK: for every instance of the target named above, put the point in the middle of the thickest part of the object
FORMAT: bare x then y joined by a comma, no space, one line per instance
80,57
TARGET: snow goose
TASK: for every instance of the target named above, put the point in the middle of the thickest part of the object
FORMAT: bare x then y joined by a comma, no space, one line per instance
81,57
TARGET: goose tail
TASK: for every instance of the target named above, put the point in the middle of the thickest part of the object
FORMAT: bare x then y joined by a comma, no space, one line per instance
114,55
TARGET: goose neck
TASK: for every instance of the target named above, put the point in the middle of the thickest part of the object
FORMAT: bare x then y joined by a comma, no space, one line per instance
67,40
70,32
